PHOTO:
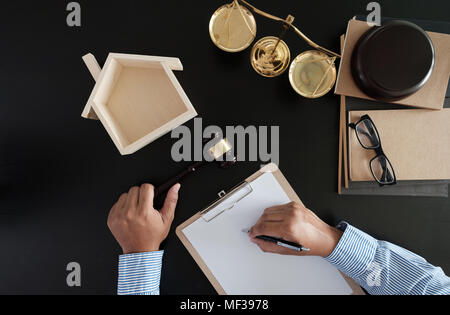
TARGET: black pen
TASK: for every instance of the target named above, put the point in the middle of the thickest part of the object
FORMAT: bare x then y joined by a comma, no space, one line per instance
280,242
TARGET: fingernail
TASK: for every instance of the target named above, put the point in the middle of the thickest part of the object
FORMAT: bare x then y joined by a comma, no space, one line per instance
176,188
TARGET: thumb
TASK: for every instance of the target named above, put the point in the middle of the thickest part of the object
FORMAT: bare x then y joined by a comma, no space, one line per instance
168,210
266,228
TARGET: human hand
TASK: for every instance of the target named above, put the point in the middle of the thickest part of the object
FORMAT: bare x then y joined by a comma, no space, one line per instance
136,225
294,223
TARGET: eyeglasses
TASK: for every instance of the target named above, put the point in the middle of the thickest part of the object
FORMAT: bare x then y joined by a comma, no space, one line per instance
369,138
233,29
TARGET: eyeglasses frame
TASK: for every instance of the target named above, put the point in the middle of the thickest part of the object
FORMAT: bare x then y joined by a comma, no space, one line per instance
378,150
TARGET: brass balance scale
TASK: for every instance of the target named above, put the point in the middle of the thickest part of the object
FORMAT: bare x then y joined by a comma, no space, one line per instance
233,29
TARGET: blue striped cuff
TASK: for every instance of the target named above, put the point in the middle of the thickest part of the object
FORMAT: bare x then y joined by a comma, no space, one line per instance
354,252
139,273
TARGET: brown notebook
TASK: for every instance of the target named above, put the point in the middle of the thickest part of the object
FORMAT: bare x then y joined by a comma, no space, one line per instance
417,142
431,96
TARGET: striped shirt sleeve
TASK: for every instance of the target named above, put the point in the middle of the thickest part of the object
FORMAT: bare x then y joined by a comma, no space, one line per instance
140,274
386,269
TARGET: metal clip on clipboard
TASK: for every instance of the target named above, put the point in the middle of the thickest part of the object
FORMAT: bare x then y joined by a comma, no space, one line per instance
227,201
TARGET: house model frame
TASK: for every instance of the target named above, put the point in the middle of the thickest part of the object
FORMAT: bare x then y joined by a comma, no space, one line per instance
137,98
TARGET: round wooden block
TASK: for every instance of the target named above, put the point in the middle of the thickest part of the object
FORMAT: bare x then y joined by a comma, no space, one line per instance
393,61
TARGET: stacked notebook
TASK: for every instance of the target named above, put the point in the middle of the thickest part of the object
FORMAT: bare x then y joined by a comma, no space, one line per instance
416,141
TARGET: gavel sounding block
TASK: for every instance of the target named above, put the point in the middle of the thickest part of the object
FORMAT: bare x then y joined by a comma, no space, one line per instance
393,61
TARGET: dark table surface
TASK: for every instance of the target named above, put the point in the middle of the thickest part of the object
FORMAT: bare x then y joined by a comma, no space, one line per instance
60,174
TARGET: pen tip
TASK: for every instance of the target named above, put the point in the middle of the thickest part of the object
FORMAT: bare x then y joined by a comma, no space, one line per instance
246,231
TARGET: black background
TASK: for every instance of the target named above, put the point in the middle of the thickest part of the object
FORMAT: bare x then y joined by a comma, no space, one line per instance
60,174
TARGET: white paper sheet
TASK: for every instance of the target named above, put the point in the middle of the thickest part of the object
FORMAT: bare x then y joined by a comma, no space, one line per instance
242,268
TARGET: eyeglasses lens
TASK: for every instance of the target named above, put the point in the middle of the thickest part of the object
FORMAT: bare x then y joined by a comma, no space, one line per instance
367,134
382,170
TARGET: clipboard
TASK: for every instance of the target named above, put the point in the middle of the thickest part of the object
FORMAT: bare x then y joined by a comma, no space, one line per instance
239,193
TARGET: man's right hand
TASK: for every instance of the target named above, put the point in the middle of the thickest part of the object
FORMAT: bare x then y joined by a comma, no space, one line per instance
295,223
